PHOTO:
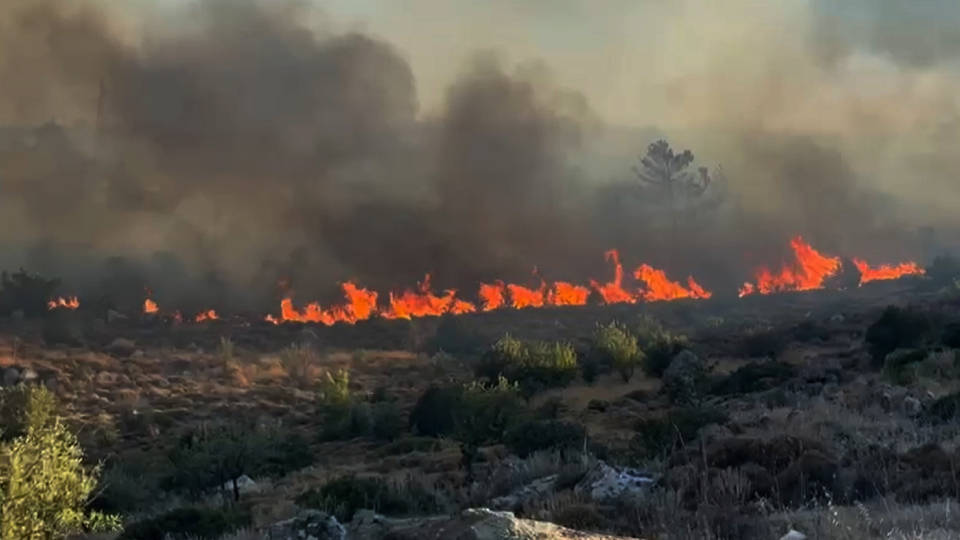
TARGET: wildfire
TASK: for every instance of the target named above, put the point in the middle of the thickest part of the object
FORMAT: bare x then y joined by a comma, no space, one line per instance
70,302
613,292
209,315
660,288
422,302
886,271
807,272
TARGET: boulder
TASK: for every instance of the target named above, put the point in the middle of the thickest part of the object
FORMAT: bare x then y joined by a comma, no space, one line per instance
604,482
794,534
122,347
308,524
486,524
29,376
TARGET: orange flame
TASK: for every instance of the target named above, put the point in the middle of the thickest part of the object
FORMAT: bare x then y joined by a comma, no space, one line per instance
492,296
149,306
423,302
360,305
808,272
209,315
886,271
70,302
660,288
568,294
613,292
524,297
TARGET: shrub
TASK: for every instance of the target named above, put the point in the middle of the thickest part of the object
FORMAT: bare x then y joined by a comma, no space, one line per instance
434,413
408,445
131,483
486,412
298,360
896,328
388,421
345,495
335,388
685,378
763,342
534,436
754,377
613,347
657,437
288,451
534,366
44,486
659,349
188,523
945,409
901,366
25,292
209,457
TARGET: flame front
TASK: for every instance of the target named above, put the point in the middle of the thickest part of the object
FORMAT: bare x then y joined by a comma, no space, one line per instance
660,288
886,271
150,307
70,302
493,296
807,272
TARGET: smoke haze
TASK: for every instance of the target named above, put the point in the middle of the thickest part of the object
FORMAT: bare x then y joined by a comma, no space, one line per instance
211,149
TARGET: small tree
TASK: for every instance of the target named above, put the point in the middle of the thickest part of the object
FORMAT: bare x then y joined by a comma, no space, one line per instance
214,456
666,172
44,486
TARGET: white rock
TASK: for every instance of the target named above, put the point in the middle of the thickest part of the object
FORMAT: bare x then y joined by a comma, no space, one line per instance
604,482
245,484
794,534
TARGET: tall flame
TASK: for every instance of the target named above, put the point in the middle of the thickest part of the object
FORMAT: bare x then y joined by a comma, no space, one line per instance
613,292
70,302
492,296
807,272
567,294
886,271
149,306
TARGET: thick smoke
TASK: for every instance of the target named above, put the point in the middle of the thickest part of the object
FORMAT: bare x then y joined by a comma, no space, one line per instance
213,150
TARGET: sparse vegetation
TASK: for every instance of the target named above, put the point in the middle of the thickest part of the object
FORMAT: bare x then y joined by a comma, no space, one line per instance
345,495
659,346
896,328
534,366
188,523
537,435
298,361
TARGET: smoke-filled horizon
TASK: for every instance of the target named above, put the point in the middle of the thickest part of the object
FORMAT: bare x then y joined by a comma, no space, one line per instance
210,149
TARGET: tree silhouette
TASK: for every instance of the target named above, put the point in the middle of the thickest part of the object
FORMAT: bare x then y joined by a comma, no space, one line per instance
663,170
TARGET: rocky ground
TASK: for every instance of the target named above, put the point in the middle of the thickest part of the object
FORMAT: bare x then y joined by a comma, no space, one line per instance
819,413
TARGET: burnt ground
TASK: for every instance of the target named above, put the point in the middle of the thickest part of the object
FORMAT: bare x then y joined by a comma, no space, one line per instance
818,437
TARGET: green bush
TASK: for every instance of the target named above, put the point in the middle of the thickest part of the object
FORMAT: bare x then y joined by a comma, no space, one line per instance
901,366
895,329
614,347
533,366
534,436
188,524
754,377
434,413
659,349
131,483
658,437
345,495
486,412
44,485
